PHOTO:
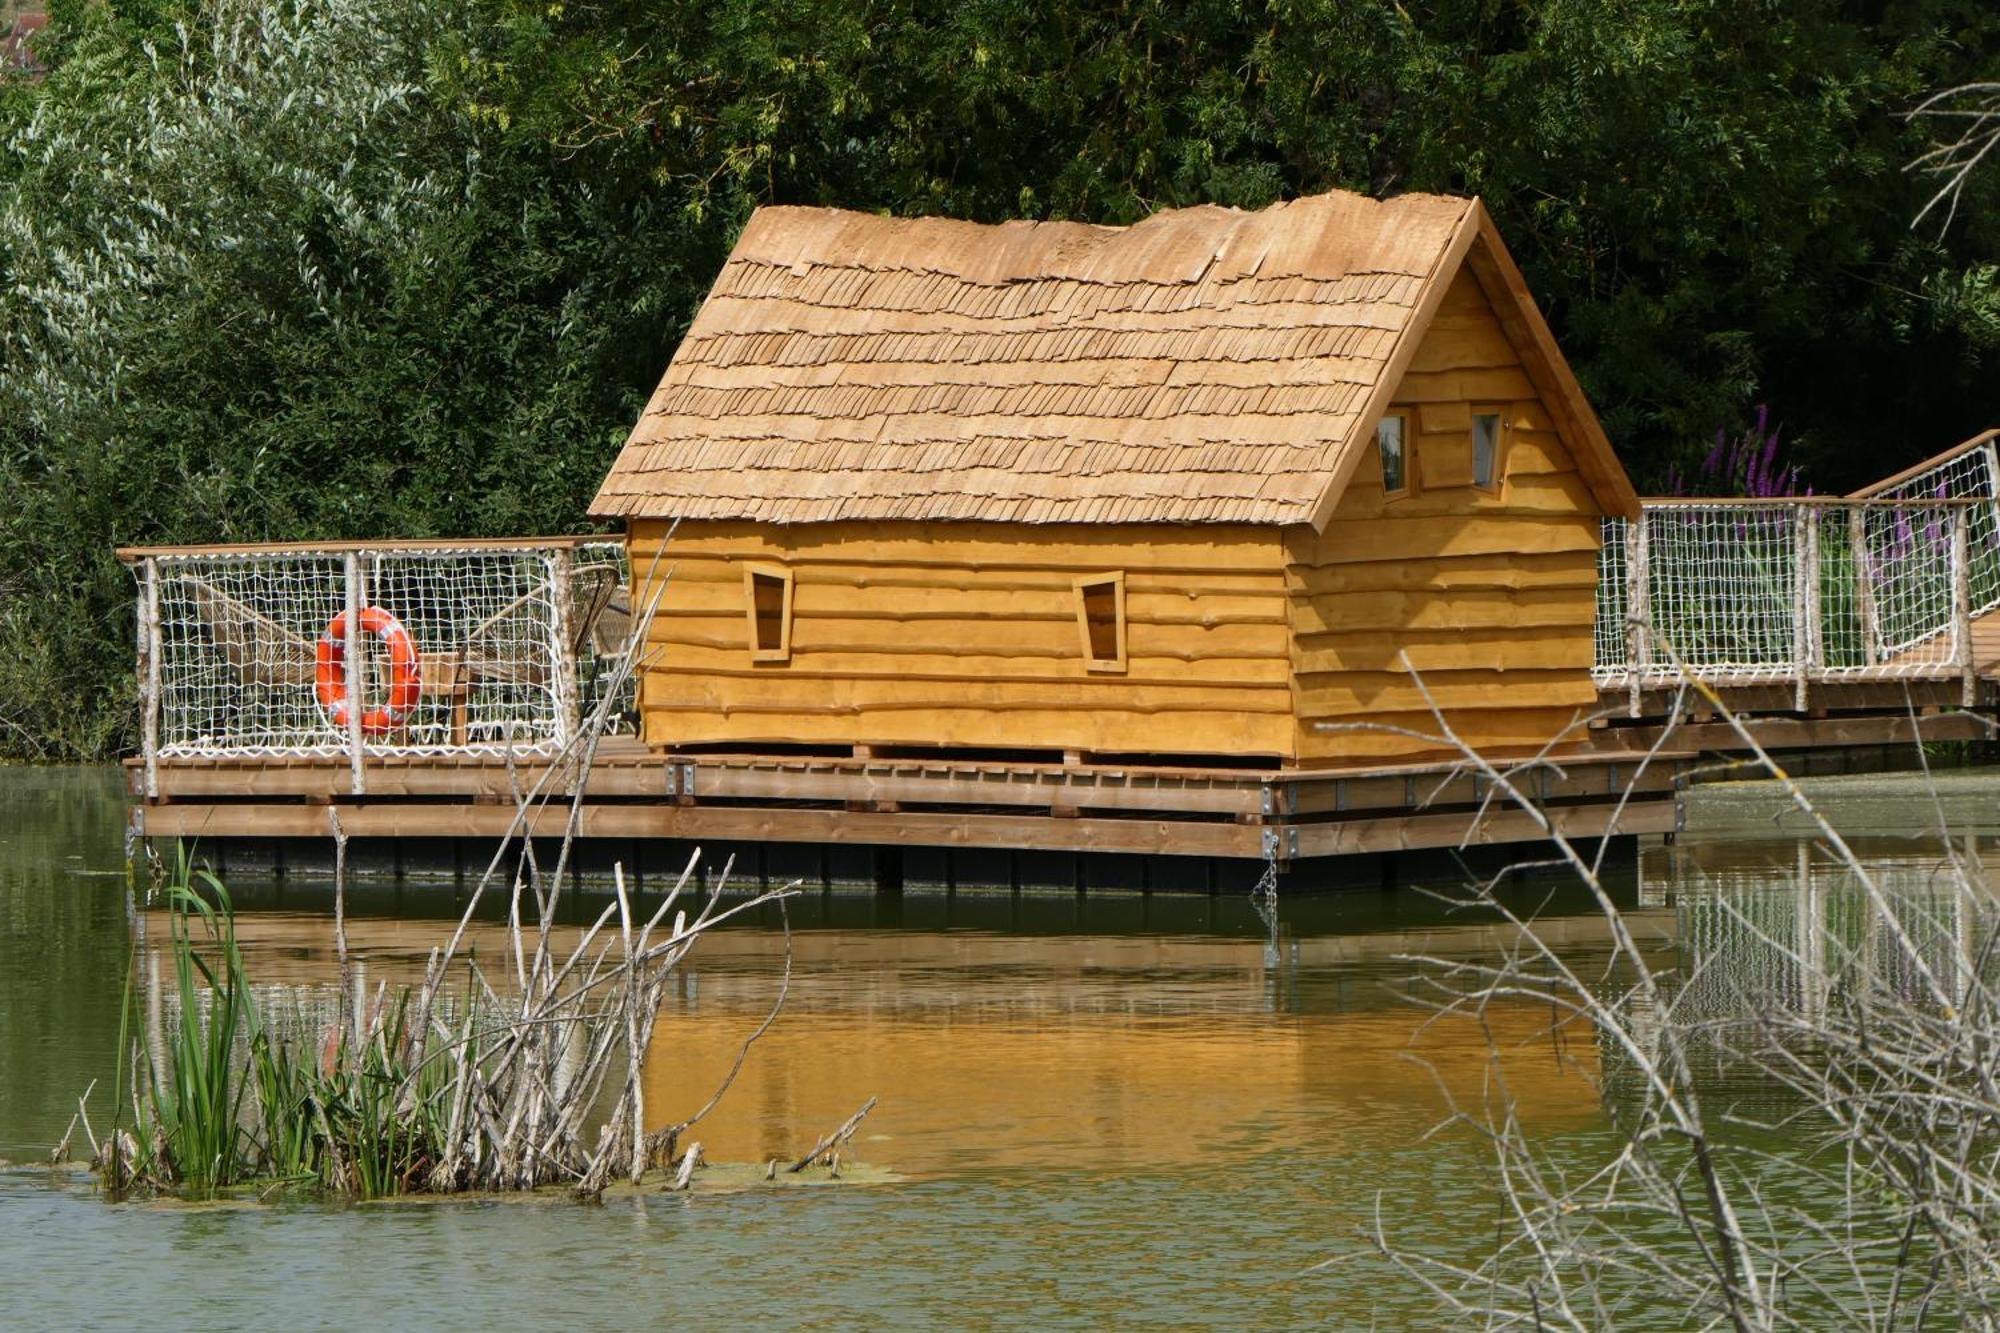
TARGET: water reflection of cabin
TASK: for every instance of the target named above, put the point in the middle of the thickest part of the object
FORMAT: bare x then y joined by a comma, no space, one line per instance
1185,488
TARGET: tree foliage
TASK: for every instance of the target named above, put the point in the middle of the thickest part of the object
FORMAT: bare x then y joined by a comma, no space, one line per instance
280,268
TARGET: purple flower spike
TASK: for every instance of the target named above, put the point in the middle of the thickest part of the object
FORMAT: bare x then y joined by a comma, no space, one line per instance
1713,463
1750,464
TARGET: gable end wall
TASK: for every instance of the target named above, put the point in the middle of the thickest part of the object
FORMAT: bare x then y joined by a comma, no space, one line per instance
1491,596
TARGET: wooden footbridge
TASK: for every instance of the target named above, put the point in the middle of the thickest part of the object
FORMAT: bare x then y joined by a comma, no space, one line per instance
1841,630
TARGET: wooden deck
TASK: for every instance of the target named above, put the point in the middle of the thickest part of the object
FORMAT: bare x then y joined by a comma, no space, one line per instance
1074,804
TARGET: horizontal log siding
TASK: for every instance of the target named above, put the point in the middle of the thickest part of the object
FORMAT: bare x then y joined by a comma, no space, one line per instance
966,634
1492,597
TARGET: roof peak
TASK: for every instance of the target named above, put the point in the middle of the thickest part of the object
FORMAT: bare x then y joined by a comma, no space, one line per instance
1319,235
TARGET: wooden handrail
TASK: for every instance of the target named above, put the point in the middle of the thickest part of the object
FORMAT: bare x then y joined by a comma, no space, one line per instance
133,555
1917,469
1805,502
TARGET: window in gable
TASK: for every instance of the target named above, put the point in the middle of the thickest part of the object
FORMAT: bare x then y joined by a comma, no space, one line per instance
1392,447
1488,437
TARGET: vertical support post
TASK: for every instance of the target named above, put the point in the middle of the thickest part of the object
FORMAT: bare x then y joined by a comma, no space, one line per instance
1805,608
569,720
1961,604
1864,585
1812,935
1638,604
149,673
357,676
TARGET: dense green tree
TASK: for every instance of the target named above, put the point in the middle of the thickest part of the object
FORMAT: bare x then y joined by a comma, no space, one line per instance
281,268
1707,195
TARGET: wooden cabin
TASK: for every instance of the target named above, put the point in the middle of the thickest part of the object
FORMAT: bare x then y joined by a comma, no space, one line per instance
1192,487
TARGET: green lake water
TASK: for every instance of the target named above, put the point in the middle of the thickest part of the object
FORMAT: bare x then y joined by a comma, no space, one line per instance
1152,1111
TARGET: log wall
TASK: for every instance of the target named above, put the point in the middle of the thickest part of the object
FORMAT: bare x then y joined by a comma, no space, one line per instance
966,634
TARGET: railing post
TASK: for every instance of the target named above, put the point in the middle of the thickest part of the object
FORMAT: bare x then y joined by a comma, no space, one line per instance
1864,585
149,673
1638,605
569,721
1961,605
1805,601
357,676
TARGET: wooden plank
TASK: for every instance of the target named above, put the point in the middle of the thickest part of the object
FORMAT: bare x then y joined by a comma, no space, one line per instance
1577,779
1129,729
149,673
357,675
1081,548
1776,695
1498,384
771,781
779,691
1806,502
1354,692
1501,825
1495,732
697,823
1961,608
1440,650
134,554
968,577
1464,535
1189,670
1465,609
1564,569
1864,586
1470,339
1805,600
1784,733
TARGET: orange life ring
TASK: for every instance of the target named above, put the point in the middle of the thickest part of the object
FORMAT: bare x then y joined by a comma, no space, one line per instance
405,678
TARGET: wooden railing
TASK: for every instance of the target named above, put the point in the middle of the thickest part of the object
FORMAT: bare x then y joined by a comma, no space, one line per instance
442,646
1796,590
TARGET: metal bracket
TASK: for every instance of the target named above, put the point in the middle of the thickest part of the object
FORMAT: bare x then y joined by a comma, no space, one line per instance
1281,844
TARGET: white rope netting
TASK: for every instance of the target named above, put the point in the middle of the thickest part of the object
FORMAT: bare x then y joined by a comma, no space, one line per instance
1819,589
475,648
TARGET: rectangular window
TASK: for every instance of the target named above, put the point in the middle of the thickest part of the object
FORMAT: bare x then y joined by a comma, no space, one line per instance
1100,619
768,594
1391,432
1486,441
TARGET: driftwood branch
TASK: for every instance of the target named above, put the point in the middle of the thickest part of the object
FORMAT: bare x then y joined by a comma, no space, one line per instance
832,1141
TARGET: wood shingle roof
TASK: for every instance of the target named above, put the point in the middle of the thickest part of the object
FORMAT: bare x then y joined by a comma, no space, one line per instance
1206,365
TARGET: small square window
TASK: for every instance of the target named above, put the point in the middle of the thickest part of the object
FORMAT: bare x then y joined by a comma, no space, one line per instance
1391,433
1486,433
768,598
1100,621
